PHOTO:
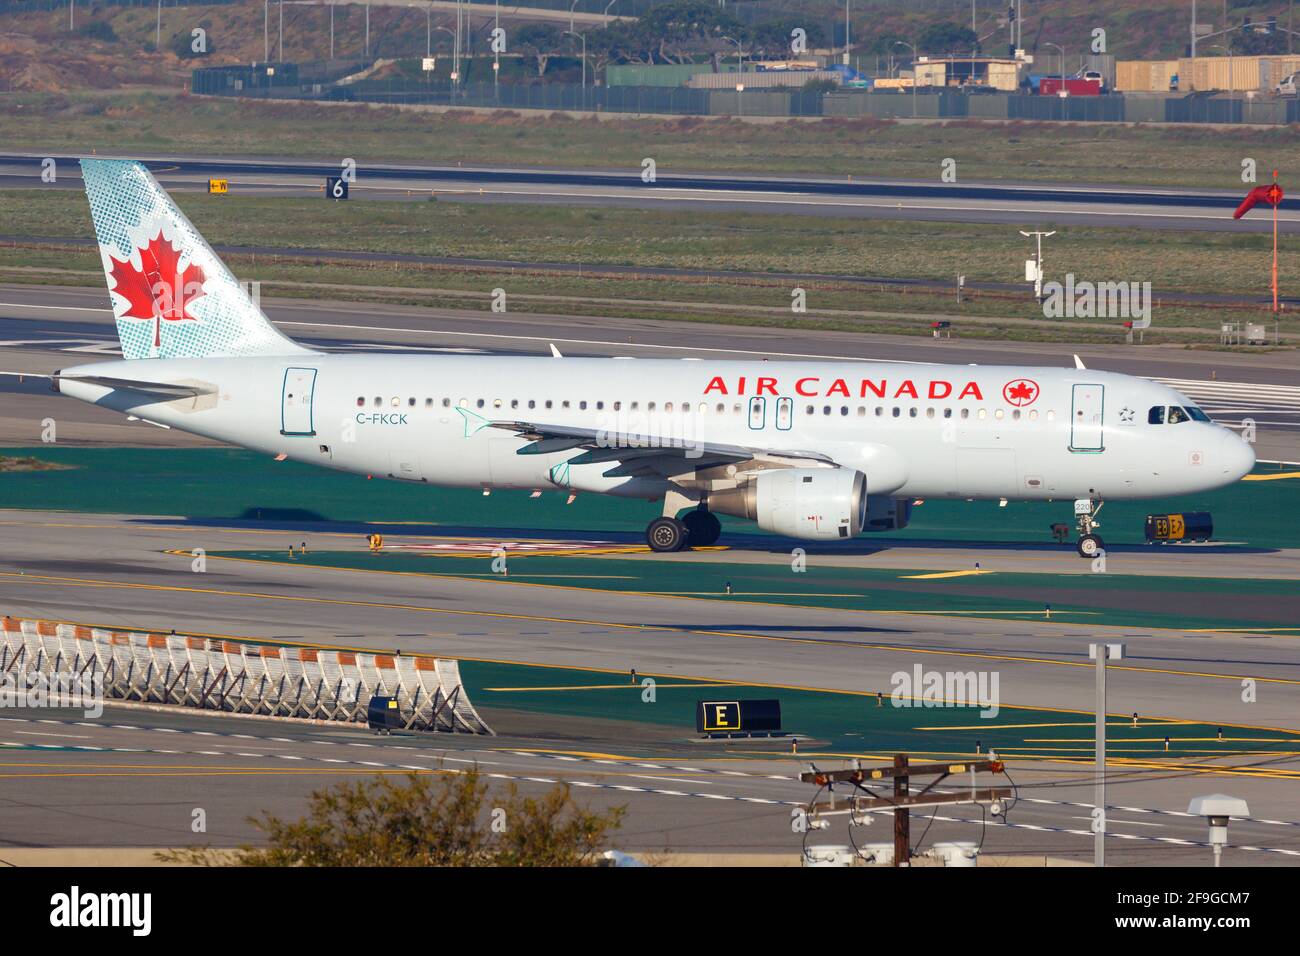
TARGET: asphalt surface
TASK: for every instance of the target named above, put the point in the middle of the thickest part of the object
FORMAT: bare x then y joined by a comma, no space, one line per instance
113,571
870,198
44,328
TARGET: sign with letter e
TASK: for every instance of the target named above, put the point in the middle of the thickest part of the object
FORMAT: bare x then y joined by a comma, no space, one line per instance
714,716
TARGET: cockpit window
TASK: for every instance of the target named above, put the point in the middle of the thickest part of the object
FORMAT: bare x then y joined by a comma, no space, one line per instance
1156,416
1197,414
1176,415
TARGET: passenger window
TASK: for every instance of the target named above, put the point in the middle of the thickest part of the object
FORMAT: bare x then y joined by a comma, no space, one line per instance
897,411
668,406
411,401
396,402
965,413
361,401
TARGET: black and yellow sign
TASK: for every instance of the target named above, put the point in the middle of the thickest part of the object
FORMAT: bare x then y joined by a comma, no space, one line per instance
716,715
218,187
1192,525
738,716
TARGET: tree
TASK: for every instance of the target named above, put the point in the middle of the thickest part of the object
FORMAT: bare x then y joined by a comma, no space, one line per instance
539,41
1247,42
773,37
946,38
623,41
683,27
443,820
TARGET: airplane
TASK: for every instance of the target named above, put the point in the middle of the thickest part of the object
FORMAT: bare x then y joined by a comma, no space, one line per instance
818,451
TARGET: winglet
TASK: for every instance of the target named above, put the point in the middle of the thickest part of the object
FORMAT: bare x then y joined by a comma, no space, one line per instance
1078,362
555,353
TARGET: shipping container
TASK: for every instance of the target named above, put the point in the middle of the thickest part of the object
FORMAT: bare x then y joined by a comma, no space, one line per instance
1072,85
660,74
1145,76
765,79
1224,73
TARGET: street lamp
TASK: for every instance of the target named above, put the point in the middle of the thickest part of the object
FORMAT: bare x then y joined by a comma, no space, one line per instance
571,9
1061,50
740,54
583,38
914,77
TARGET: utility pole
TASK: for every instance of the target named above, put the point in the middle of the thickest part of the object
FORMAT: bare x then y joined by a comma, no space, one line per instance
902,819
367,30
157,37
903,798
1180,82
280,56
266,30
331,31
1101,653
72,6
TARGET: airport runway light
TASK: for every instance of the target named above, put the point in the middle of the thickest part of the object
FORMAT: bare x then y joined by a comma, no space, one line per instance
1101,653
1217,808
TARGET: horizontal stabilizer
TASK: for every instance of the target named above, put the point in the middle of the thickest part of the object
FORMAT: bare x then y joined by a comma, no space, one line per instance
163,389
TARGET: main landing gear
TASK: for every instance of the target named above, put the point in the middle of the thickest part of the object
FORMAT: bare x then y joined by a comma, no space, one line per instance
698,529
1085,516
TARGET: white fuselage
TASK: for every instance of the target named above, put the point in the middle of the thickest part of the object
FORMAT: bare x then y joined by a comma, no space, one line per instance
915,430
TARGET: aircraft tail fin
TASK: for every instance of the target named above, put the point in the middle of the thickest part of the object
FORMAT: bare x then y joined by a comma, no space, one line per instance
172,296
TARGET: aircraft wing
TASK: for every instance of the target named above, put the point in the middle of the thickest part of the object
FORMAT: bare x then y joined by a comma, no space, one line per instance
634,453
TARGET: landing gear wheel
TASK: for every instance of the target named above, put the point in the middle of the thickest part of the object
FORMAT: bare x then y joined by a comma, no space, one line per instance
1090,545
666,534
703,528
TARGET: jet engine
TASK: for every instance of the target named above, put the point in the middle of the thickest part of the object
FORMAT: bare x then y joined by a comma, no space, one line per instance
817,504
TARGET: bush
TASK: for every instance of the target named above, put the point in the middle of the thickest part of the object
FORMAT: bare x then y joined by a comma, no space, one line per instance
98,30
442,820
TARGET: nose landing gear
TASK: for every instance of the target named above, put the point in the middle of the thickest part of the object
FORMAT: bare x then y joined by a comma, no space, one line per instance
1085,516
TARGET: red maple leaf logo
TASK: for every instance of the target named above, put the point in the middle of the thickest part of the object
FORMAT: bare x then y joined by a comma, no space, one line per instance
160,291
1020,392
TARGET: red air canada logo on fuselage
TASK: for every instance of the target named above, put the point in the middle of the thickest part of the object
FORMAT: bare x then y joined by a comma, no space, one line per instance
1020,392
813,386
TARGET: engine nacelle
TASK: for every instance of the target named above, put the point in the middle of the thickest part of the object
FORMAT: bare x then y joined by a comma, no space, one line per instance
817,504
887,514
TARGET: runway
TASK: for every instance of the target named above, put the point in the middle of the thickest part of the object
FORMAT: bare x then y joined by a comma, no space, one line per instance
1021,203
44,328
113,571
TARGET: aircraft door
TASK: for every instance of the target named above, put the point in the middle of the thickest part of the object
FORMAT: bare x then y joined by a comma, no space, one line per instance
296,401
1086,417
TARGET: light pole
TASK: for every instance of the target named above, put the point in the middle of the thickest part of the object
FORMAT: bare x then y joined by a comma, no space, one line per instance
266,30
740,54
608,5
1061,51
571,9
280,56
583,38
1101,653
914,77
846,32
157,37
